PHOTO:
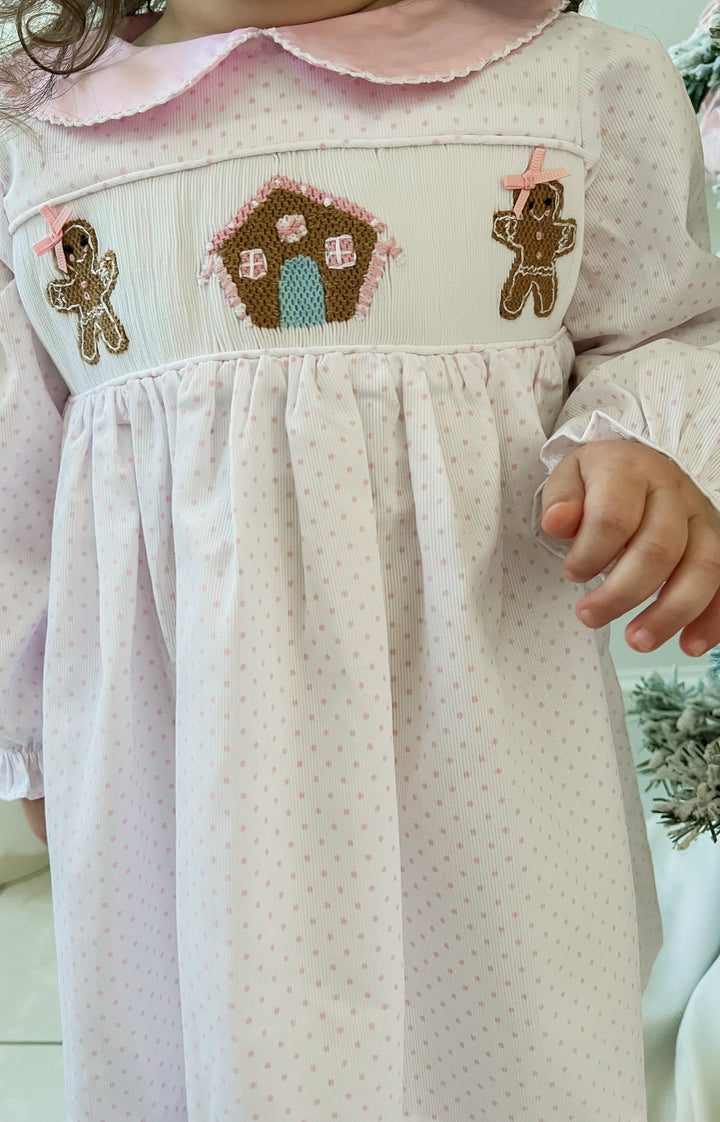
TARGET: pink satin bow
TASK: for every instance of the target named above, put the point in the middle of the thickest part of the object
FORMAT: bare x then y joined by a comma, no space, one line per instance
54,238
530,178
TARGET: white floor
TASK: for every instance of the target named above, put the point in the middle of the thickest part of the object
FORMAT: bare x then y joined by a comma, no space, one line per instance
31,1082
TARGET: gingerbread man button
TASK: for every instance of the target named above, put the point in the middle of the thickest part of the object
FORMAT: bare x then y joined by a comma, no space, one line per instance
538,235
87,286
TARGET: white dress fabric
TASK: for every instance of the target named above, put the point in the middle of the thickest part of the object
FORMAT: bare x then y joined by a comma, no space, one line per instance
342,815
681,1030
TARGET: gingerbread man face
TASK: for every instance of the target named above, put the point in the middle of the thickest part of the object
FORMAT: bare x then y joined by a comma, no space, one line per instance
86,290
80,246
539,233
538,236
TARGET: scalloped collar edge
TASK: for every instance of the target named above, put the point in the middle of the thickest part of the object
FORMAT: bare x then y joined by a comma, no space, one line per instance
421,42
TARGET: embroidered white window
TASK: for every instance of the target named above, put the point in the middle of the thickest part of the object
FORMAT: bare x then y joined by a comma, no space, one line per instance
340,252
253,264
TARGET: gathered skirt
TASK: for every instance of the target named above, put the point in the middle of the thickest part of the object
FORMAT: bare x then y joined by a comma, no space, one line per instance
343,820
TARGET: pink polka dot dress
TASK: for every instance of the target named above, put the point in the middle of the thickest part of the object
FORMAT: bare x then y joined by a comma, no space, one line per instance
343,819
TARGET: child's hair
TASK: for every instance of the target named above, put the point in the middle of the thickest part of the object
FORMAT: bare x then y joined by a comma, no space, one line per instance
58,44
67,41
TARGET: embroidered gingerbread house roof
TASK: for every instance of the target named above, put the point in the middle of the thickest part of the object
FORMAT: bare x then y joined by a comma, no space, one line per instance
294,256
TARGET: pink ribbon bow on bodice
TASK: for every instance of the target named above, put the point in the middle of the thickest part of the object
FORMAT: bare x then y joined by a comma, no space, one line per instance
530,178
54,238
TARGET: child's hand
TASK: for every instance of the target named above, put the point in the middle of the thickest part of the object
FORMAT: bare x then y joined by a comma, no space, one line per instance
624,501
35,814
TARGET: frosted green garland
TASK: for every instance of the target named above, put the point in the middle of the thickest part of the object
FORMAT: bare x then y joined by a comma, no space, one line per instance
681,727
698,60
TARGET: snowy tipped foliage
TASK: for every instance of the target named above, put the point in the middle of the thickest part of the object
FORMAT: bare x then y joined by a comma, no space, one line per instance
681,727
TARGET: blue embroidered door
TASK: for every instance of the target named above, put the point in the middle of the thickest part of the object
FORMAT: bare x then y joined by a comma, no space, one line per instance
302,296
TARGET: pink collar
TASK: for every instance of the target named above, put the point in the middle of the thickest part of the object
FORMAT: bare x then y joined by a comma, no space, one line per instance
412,41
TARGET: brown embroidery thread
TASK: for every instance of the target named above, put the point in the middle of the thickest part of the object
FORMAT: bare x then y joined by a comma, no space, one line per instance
293,256
86,290
538,237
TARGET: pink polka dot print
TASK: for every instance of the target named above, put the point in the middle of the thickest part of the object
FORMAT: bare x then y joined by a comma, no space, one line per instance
343,819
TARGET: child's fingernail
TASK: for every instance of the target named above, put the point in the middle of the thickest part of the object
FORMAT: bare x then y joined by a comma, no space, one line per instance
643,639
698,647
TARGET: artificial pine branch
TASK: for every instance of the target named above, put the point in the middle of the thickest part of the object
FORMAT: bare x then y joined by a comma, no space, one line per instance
698,60
681,727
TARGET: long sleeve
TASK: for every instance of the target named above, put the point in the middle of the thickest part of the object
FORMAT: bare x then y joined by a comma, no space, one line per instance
31,400
645,315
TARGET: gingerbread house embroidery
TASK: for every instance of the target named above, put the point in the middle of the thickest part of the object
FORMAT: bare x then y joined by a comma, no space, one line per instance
294,256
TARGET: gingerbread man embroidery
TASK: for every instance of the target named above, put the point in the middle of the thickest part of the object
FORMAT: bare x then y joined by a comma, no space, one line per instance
87,285
538,235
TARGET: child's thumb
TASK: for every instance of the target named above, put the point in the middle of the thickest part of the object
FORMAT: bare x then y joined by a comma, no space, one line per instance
563,498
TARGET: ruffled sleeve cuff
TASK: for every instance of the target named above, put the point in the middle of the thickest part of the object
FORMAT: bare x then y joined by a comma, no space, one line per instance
579,431
21,774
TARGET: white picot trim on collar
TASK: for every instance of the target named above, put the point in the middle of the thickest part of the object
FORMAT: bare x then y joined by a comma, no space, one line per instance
409,42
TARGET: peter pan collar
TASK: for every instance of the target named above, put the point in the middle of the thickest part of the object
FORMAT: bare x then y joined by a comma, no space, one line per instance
409,42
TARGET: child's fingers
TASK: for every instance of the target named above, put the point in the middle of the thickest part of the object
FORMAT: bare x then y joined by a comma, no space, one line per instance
563,497
641,512
704,631
562,519
614,510
687,598
650,559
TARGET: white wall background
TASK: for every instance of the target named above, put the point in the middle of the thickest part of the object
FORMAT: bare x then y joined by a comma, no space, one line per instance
668,21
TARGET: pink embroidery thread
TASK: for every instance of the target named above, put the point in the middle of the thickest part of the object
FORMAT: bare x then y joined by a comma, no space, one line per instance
54,238
253,264
530,178
291,228
340,252
382,251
